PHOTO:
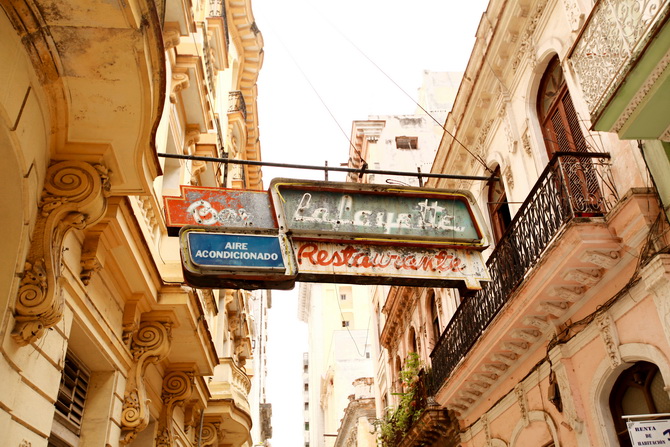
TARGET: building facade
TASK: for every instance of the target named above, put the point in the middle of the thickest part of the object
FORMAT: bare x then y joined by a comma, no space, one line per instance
338,320
102,343
562,103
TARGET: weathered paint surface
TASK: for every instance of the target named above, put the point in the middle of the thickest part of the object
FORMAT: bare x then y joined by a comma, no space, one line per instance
377,264
371,212
219,207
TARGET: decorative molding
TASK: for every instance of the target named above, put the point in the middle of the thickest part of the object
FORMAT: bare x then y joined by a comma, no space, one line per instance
567,397
525,141
191,138
210,434
601,259
180,81
575,16
585,277
610,336
74,196
509,177
171,37
150,344
177,388
523,404
527,36
487,429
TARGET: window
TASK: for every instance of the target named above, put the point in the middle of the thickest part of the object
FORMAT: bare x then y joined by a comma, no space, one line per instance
306,426
345,323
343,296
407,142
306,387
558,118
638,390
434,318
562,132
411,343
70,402
501,218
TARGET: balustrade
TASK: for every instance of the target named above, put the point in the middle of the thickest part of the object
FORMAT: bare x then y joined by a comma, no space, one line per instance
573,185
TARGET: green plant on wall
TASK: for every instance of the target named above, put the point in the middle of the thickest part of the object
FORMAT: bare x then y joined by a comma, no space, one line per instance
397,421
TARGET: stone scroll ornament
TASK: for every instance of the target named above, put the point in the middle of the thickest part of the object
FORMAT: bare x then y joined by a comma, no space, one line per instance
150,344
74,196
177,388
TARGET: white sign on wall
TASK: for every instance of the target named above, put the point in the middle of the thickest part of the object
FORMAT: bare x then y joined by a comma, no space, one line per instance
646,433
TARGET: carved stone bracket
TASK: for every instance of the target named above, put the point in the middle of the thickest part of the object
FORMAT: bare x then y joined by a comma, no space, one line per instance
150,344
171,36
74,196
180,81
211,434
177,388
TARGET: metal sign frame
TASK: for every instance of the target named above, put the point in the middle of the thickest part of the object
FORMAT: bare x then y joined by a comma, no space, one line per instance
220,207
237,275
378,214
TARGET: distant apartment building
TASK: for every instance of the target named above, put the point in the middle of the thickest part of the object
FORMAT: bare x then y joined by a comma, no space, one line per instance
339,325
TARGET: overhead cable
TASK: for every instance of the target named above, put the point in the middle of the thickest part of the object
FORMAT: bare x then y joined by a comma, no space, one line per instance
327,168
476,156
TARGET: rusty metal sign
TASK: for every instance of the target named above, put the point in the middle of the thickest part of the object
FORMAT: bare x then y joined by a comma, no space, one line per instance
219,207
218,258
377,213
320,261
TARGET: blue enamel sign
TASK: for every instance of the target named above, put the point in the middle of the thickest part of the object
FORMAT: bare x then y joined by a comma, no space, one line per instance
235,251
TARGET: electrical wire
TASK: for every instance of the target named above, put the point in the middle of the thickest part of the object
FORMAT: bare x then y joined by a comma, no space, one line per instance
328,168
323,102
352,43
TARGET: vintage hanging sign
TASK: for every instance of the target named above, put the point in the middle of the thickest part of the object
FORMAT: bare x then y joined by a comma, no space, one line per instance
216,258
328,232
218,207
377,213
391,265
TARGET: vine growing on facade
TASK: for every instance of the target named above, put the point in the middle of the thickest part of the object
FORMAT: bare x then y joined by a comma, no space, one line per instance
397,421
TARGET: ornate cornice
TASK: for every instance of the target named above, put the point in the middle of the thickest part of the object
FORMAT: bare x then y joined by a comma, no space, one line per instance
74,196
150,344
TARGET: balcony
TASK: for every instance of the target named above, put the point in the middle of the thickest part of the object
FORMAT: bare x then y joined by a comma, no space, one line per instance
620,57
236,103
575,188
432,424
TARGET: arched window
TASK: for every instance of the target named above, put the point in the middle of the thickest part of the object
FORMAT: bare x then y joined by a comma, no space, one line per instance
434,318
639,390
558,119
498,206
412,340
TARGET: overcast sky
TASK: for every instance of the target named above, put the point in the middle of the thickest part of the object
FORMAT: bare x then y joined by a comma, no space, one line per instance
316,53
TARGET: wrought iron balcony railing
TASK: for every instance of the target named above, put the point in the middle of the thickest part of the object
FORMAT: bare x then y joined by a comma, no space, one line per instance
236,103
615,35
574,184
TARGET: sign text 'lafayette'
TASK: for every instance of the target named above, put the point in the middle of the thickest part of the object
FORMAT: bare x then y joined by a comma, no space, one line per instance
371,214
